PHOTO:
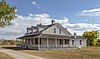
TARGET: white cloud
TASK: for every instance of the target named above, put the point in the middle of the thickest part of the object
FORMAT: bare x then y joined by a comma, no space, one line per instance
35,4
19,25
92,12
16,10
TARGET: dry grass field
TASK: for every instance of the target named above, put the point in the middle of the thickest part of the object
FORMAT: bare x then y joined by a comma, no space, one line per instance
4,56
85,53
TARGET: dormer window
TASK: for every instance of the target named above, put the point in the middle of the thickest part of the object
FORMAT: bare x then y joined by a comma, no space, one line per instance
54,30
59,31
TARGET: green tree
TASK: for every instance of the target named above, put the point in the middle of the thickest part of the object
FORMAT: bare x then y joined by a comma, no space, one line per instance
91,37
7,13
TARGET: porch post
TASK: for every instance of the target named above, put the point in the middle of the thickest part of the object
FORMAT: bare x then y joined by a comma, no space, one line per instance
19,41
30,41
16,41
34,41
23,41
38,42
27,41
56,43
75,43
47,43
63,42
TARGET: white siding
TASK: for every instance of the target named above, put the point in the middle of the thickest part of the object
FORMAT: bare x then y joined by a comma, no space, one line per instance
43,42
83,43
77,43
51,31
72,45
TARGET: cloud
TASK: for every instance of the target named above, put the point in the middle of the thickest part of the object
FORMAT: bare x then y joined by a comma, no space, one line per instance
35,4
92,12
20,23
79,28
16,10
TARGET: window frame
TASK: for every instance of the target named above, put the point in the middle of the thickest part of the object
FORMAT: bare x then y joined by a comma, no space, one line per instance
80,42
72,42
54,30
59,31
66,41
61,41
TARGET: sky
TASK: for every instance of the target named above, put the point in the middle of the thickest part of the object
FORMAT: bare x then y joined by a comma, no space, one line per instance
75,15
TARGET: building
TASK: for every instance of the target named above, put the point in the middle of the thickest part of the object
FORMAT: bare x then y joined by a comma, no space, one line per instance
53,36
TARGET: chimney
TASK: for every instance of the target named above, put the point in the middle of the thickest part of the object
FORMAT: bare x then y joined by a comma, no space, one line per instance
37,28
75,35
52,22
27,29
32,29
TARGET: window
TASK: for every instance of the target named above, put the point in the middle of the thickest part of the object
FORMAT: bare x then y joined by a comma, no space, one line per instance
59,31
72,42
40,40
80,42
61,41
54,30
66,41
36,40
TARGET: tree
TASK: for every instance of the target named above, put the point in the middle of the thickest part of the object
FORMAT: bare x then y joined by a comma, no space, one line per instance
91,37
7,13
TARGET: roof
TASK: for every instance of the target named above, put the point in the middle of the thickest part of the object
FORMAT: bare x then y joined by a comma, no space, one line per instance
52,36
61,36
28,36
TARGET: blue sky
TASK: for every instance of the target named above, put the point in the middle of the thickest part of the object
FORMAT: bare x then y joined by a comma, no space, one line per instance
57,8
78,15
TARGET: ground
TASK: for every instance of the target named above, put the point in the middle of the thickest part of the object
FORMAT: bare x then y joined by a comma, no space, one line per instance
18,55
84,53
5,56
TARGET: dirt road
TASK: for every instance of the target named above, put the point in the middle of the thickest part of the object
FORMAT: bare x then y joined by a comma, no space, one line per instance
19,55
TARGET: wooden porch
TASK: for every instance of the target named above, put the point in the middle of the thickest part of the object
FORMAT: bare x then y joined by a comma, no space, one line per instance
43,43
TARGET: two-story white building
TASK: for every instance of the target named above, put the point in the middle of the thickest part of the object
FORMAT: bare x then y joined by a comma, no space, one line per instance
53,36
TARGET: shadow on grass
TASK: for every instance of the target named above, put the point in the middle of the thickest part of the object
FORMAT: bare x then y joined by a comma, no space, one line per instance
17,48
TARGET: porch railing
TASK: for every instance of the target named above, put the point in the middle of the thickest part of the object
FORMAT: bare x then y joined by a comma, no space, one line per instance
45,45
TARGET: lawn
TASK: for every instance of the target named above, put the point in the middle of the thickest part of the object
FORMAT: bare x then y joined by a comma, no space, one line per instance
84,53
4,56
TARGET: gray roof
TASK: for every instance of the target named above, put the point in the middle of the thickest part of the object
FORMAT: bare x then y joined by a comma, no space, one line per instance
50,35
53,36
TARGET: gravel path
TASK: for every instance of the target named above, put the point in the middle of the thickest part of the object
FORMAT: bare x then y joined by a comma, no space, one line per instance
19,55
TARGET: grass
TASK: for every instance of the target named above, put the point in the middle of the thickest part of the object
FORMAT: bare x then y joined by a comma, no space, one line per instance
85,53
4,56
7,45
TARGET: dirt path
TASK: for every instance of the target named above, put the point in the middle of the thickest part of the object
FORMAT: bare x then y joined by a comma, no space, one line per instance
19,55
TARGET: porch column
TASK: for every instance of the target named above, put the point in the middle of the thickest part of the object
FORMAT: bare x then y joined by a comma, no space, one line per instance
75,43
19,41
34,41
30,41
27,41
47,43
38,42
16,41
63,42
23,41
56,43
